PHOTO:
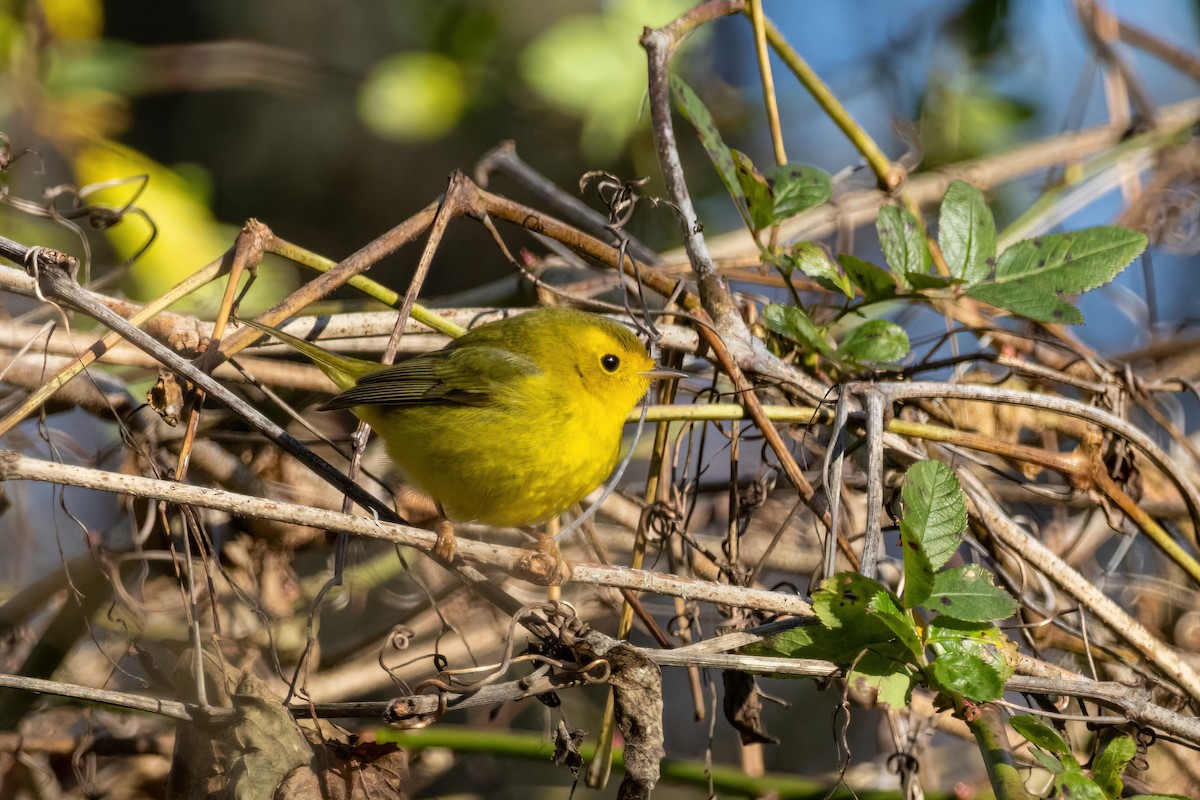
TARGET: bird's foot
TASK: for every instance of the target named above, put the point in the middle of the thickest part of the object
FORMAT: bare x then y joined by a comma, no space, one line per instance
546,566
446,546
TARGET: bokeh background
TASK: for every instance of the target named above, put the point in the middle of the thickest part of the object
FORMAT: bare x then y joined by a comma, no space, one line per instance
334,122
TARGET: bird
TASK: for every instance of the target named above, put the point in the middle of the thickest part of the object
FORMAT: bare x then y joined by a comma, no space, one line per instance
509,424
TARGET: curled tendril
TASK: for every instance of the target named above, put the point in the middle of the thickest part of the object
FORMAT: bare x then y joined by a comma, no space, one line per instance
619,197
680,623
1145,738
400,637
660,521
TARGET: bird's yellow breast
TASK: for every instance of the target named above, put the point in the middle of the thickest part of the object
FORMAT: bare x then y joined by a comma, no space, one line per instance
508,463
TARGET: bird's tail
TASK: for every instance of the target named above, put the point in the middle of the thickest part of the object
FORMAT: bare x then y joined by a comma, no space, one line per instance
342,370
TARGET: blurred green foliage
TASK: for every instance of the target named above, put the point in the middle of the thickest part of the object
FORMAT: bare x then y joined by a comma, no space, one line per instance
591,67
412,96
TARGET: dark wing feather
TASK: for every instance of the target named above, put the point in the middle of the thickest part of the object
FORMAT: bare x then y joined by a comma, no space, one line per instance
468,375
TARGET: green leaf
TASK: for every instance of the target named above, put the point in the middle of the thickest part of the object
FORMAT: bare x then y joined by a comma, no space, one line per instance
1159,797
844,600
1109,765
813,260
792,323
876,284
967,232
876,340
796,642
848,626
755,189
961,673
1074,784
902,242
918,572
1052,764
921,280
984,641
935,509
1034,274
1041,735
780,192
797,188
900,622
695,112
967,593
815,641
889,677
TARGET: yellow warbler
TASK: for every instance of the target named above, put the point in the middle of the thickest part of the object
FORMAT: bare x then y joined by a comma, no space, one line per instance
509,424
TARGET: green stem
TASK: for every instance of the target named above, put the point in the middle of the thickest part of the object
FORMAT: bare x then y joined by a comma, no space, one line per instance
890,175
992,737
370,288
730,780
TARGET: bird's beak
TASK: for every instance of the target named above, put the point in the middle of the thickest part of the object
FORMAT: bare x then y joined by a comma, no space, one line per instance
664,372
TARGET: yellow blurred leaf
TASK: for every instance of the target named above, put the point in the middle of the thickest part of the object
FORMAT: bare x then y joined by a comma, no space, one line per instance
187,236
74,19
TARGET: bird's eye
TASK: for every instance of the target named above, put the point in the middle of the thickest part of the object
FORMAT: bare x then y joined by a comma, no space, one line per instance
610,362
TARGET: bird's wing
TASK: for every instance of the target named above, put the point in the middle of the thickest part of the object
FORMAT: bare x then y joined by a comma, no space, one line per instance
469,376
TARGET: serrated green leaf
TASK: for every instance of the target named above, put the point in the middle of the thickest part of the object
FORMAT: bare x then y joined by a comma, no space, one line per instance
813,260
902,242
1110,764
1052,764
900,622
792,323
1041,735
967,232
948,628
985,641
958,672
755,189
1160,797
918,572
876,340
814,642
889,677
845,599
780,192
1033,275
1074,784
847,629
876,284
935,509
797,188
967,593
695,112
921,280
792,643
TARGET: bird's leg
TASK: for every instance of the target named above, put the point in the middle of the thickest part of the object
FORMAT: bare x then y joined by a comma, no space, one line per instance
545,566
446,545
417,507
